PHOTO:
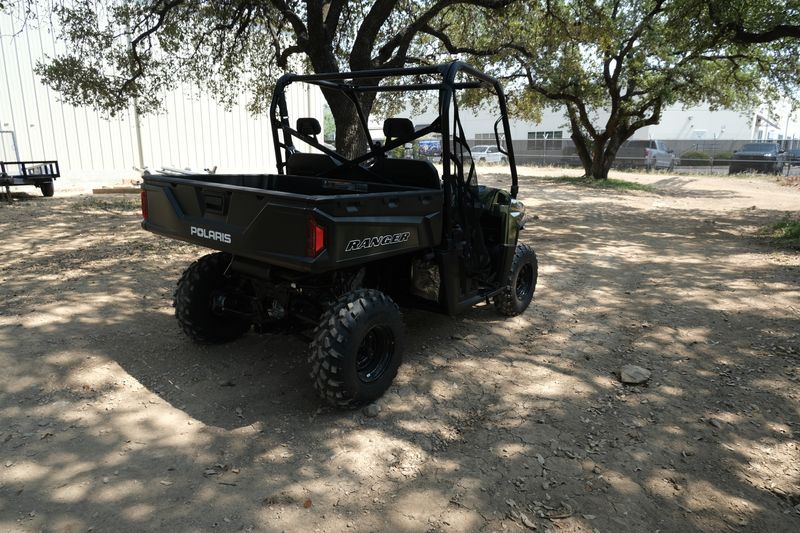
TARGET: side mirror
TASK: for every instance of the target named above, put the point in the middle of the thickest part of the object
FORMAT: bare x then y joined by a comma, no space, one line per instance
670,151
735,151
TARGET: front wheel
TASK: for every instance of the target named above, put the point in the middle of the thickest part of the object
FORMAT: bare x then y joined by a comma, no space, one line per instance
197,301
520,283
357,348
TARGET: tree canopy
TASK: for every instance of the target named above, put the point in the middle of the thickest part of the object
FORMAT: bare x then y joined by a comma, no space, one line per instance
123,50
627,59
632,59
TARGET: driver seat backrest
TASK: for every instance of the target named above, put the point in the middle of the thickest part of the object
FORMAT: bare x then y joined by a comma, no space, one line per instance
398,128
408,172
302,164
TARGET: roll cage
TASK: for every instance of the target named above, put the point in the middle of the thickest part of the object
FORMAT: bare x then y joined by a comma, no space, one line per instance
455,180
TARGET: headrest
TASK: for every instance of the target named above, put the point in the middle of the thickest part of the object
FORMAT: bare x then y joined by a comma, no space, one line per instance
308,126
398,127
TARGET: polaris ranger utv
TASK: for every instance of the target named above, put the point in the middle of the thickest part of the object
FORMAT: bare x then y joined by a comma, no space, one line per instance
332,242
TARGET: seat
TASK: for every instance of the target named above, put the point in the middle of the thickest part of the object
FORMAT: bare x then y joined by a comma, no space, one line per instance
302,164
398,128
408,172
309,126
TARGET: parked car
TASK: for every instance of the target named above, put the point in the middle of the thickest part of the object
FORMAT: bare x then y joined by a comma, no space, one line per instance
484,153
649,154
760,157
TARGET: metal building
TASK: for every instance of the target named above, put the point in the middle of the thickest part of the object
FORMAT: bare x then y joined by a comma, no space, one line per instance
194,131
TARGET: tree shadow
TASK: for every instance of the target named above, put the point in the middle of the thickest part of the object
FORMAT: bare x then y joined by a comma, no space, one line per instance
115,421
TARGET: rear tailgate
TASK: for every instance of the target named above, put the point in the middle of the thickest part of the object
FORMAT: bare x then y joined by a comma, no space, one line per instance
280,228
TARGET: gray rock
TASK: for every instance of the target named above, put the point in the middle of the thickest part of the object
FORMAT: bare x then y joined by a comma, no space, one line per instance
527,521
633,375
371,410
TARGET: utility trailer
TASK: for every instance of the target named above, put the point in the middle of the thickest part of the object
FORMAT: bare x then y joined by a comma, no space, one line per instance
331,242
40,174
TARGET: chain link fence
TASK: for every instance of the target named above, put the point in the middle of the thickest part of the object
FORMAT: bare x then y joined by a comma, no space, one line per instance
681,156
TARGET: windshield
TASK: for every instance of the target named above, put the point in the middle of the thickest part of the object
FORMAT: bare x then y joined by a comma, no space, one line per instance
759,147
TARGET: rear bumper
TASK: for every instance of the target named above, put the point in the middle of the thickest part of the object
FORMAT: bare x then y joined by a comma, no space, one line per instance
753,164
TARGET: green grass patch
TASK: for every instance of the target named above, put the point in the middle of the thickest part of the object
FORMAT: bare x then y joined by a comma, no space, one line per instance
610,183
785,232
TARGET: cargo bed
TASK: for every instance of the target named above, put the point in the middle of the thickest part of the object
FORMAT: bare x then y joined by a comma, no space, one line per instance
304,223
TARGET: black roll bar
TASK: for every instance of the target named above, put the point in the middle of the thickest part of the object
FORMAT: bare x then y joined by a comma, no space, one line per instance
281,128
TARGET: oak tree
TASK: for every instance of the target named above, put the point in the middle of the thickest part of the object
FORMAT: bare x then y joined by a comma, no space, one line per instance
120,51
615,65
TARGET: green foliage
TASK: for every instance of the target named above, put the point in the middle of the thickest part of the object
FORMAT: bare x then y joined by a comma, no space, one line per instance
785,232
631,59
610,183
695,158
119,51
328,125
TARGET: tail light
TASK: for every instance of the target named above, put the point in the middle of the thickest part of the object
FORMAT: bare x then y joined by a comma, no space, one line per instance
144,204
316,238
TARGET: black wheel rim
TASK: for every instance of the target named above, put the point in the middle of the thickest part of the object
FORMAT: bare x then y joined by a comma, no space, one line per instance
374,354
524,282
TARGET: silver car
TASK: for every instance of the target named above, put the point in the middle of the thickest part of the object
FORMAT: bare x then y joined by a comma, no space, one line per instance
484,153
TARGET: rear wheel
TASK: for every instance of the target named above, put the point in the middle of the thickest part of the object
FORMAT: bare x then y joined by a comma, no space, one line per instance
357,348
520,283
197,301
48,189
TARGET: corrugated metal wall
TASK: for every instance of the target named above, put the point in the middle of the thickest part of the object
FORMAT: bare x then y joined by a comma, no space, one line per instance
193,132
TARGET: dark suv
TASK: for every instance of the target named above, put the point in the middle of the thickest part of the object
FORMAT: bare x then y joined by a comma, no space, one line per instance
759,157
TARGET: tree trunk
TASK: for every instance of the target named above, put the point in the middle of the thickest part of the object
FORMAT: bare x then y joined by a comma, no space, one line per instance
600,168
351,140
601,162
598,154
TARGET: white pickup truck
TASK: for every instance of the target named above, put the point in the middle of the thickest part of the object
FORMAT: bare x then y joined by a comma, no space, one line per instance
484,153
647,153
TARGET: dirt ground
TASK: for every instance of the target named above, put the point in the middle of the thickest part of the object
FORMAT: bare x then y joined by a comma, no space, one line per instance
111,420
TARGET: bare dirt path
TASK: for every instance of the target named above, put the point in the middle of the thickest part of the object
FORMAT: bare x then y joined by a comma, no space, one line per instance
110,419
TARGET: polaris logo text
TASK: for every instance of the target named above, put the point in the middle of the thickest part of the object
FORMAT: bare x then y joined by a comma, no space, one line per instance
372,242
211,234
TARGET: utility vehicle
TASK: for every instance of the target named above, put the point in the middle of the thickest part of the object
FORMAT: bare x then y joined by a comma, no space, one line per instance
333,243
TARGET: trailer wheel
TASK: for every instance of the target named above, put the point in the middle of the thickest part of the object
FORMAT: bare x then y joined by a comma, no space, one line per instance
48,189
520,283
357,348
200,285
